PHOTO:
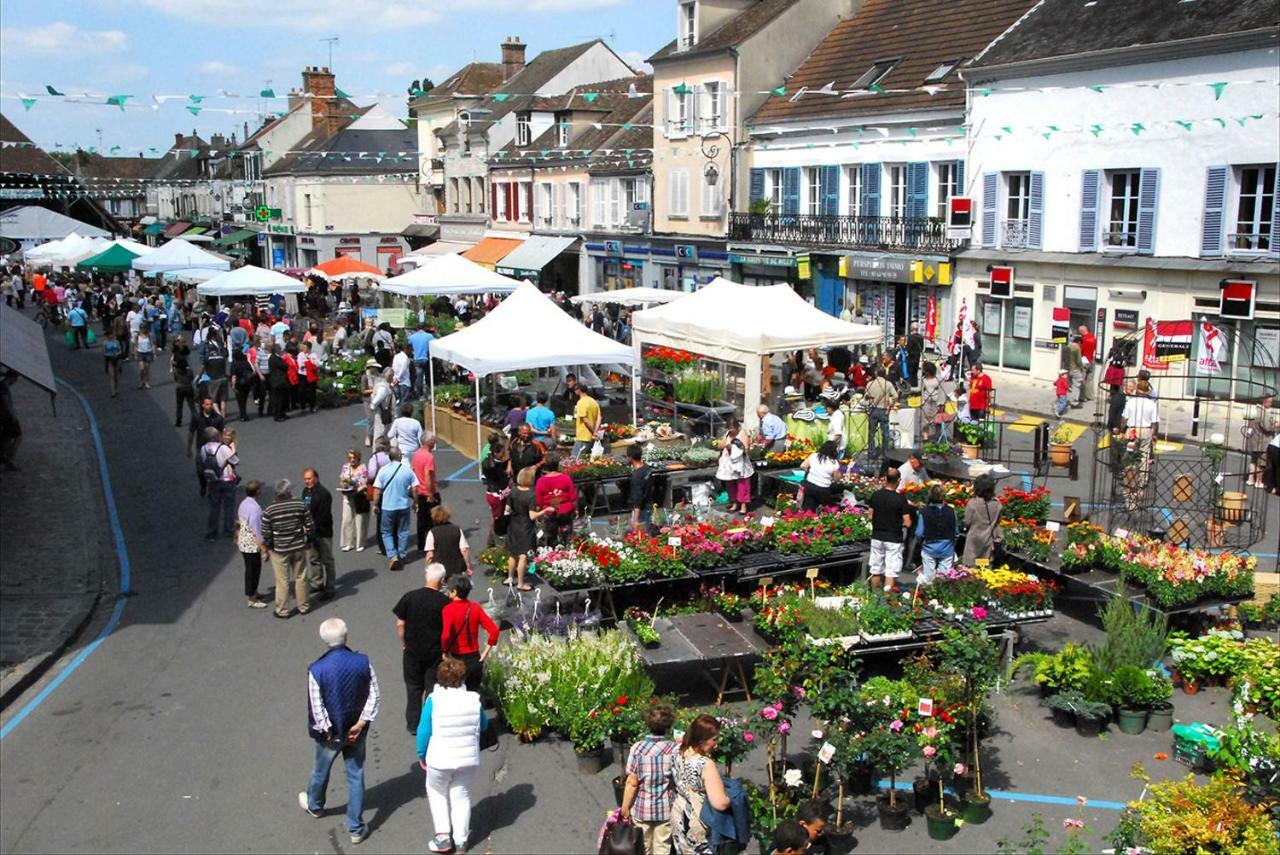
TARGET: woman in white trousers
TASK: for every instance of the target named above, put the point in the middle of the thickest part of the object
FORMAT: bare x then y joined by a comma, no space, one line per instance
449,752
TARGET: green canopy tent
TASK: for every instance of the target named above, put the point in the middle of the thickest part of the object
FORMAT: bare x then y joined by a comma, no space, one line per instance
113,259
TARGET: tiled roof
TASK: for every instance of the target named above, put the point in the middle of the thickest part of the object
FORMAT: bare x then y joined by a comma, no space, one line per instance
94,165
631,148
178,163
476,78
732,33
30,160
919,34
356,152
1056,28
612,107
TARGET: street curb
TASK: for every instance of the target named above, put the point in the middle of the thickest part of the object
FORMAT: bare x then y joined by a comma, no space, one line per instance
19,680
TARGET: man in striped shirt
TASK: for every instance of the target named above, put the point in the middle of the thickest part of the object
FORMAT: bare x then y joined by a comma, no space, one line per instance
342,699
286,525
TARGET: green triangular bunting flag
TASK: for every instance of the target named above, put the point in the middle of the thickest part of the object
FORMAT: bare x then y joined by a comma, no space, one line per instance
118,100
267,93
193,109
590,97
781,90
500,97
339,93
196,99
1217,89
52,91
28,103
682,89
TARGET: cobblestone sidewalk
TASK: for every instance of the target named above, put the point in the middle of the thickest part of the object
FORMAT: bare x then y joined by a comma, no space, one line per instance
55,550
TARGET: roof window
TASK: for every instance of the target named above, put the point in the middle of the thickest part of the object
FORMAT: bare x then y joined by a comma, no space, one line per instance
942,70
873,75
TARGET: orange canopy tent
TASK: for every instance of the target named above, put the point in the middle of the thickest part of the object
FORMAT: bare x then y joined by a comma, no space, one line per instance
346,267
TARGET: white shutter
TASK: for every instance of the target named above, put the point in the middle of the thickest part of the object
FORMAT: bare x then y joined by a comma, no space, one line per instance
557,205
722,106
598,196
679,197
669,101
711,199
701,113
615,202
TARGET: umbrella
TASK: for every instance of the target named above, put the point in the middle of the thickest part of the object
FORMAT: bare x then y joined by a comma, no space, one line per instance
346,267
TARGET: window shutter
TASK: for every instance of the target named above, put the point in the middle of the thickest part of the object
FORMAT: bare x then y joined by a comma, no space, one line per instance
1148,198
703,119
1090,193
1274,247
558,192
1035,212
917,191
615,202
493,194
791,191
829,181
668,101
757,185
1215,196
960,178
990,192
528,201
597,197
870,189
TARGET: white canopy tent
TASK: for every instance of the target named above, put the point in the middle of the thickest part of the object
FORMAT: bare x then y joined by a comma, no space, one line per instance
526,330
66,252
250,281
178,254
192,274
432,250
449,274
31,223
742,323
133,246
631,296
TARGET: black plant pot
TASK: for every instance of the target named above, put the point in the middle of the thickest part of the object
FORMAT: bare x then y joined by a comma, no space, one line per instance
1063,718
840,840
894,818
924,791
1088,726
862,780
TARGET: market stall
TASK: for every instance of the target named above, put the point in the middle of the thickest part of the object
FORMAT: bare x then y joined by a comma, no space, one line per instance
178,254
525,331
733,328
631,296
250,281
113,259
346,267
448,274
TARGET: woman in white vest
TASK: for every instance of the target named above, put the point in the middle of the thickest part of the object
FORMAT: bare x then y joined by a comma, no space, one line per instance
449,752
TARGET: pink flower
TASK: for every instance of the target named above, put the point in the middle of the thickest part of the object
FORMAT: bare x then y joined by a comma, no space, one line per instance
959,769
929,751
784,727
930,732
895,726
748,737
1082,801
1073,823
777,705
769,712
797,691
978,613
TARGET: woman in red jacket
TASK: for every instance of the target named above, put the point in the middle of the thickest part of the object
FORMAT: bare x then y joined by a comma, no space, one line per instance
308,376
291,364
556,491
460,634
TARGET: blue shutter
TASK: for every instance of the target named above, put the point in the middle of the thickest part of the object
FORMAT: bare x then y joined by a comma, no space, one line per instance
1148,196
829,180
990,194
1035,212
757,185
871,189
960,178
1215,196
1090,192
791,191
917,191
1274,246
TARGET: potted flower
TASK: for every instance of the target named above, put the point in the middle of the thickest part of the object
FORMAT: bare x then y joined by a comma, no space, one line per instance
1159,708
1063,706
1128,688
1060,445
881,619
936,746
729,605
587,732
1091,717
972,435
891,747
968,654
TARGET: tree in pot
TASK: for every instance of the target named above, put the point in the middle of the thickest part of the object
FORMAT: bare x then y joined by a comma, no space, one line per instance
968,653
891,747
938,747
1128,689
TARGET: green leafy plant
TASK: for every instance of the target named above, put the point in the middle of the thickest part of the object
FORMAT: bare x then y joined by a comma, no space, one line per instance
968,653
1135,636
1185,815
1128,687
1072,667
698,386
971,433
1062,434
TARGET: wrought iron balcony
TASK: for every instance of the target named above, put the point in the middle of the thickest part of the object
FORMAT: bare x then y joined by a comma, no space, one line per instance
926,234
1015,234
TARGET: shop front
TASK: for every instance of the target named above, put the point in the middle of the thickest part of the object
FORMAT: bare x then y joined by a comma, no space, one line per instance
612,263
384,251
549,261
755,264
894,291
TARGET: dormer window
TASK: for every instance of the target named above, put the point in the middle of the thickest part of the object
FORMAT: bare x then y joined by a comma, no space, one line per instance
688,36
523,136
878,71
562,129
943,69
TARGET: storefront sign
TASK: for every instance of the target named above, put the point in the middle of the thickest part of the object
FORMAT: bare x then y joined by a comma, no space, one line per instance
886,268
1046,344
1266,344
306,241
278,229
802,267
1166,342
931,273
1125,319
1061,324
1001,282
1022,322
1237,299
762,260
686,252
613,247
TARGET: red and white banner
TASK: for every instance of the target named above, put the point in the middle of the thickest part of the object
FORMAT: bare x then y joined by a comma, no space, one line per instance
1212,351
960,322
931,319
1166,342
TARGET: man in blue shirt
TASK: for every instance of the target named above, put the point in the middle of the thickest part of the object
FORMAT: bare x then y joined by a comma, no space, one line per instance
420,340
773,430
543,421
79,319
936,528
395,484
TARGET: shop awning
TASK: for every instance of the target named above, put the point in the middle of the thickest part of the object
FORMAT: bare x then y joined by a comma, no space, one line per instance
24,349
233,238
176,228
489,251
154,229
530,257
420,230
194,230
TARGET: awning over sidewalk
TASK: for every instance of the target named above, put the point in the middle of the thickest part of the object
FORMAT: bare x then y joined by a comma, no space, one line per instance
489,251
233,238
176,228
154,229
530,257
421,230
194,230
23,348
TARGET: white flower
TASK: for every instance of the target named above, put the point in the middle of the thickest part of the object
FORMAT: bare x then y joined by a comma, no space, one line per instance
791,778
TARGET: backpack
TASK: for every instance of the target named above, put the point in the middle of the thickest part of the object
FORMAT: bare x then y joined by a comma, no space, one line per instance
210,471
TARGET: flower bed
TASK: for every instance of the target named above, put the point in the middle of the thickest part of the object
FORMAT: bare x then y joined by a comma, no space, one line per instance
668,359
600,467
1025,504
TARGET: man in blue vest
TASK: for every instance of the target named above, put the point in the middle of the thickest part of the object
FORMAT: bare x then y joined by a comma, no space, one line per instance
342,698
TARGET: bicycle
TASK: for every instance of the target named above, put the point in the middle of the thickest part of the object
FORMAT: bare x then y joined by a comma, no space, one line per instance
44,316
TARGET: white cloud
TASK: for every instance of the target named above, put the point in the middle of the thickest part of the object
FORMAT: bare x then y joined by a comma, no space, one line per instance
217,68
399,69
62,39
637,59
123,72
310,15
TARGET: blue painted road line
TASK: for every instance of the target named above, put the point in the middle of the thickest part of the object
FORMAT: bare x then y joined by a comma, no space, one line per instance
1027,797
362,423
126,574
454,476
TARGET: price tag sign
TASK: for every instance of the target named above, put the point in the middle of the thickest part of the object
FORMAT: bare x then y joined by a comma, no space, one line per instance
1122,532
767,522
1051,525
925,707
766,581
673,541
811,573
826,752
982,562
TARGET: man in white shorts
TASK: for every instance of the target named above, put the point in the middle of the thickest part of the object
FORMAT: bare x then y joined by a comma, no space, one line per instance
890,516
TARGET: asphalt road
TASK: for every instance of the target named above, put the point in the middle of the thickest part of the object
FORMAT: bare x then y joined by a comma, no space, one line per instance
185,730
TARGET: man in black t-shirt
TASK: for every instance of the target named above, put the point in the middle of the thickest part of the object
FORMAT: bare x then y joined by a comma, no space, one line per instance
640,489
419,623
890,514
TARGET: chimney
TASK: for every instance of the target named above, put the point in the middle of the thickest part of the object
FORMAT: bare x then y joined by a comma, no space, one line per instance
318,83
177,140
512,57
246,131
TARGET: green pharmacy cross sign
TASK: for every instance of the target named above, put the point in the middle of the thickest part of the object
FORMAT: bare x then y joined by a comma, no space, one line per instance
263,213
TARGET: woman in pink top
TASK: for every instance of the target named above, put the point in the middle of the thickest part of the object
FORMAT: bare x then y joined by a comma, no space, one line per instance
556,491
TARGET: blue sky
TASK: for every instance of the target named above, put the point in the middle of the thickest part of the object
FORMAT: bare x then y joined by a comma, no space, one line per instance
144,48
